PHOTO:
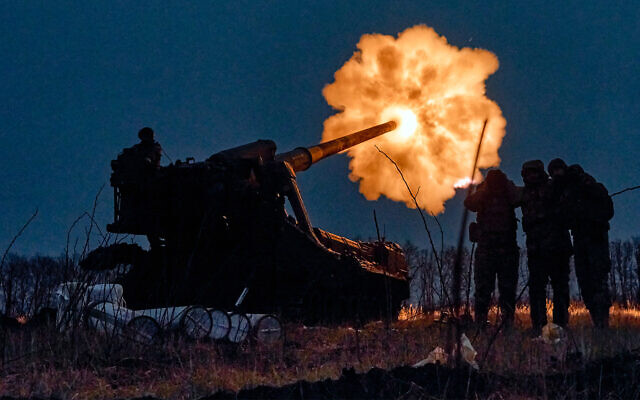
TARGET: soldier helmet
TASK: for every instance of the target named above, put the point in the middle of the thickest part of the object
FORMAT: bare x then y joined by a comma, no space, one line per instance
575,169
555,164
496,179
576,173
533,166
146,134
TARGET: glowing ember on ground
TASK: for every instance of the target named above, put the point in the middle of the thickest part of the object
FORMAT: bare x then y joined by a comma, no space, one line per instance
410,313
436,92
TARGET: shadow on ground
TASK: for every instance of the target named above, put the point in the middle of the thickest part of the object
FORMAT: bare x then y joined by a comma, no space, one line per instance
617,377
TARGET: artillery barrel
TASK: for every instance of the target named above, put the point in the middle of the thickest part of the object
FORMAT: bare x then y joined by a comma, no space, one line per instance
302,158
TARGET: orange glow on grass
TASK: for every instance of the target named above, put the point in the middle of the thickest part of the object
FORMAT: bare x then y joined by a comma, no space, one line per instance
619,314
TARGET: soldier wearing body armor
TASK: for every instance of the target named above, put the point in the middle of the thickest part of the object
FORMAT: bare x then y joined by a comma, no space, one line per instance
133,171
548,246
588,208
148,151
497,254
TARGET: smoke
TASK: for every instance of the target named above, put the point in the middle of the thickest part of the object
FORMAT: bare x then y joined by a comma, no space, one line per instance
436,92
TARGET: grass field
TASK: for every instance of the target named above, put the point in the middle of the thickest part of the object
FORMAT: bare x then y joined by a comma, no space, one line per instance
86,365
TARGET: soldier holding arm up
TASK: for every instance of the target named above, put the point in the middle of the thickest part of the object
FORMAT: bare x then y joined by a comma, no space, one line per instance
497,254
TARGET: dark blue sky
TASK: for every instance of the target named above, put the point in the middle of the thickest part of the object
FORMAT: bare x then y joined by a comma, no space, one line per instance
78,80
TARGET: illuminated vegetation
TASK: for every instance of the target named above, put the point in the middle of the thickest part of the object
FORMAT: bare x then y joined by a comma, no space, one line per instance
89,366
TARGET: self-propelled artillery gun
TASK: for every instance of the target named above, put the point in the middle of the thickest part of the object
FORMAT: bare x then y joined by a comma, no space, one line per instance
220,236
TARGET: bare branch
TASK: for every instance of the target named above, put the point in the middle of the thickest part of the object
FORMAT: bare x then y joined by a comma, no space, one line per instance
20,232
424,220
91,217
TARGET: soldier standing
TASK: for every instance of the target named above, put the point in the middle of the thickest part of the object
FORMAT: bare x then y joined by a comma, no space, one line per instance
548,247
497,254
148,150
133,171
589,208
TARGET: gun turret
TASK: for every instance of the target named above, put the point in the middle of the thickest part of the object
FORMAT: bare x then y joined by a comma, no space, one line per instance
219,227
302,158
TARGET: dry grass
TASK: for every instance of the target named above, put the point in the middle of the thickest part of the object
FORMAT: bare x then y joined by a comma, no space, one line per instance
93,367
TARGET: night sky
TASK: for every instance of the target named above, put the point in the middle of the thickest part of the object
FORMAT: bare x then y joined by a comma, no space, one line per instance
77,81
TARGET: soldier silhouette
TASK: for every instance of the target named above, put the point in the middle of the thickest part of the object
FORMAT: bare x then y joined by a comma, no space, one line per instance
548,246
133,171
148,150
587,206
497,254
